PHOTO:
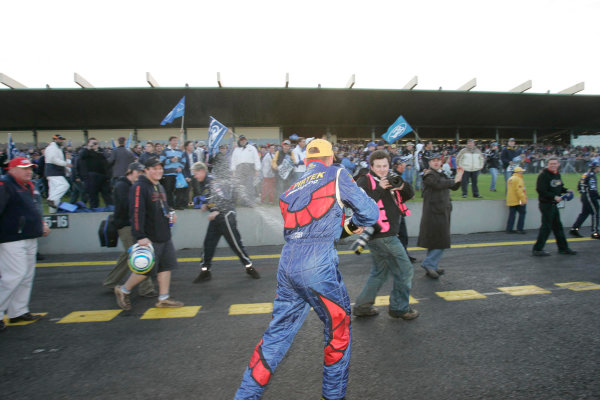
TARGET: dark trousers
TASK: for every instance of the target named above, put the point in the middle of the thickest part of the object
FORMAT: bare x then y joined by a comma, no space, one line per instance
244,184
550,222
512,210
98,184
181,196
77,189
224,225
589,206
465,183
169,184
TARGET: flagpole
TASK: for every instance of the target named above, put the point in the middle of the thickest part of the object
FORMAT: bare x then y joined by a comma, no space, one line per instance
181,133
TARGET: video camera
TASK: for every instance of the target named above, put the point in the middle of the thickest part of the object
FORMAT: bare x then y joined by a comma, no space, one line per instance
359,244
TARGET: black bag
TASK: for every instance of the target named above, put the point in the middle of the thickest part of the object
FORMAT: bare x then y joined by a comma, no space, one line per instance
108,233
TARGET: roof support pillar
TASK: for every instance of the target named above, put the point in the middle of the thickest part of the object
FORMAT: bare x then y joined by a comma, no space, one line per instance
35,138
571,137
535,136
372,134
135,135
457,136
497,135
85,137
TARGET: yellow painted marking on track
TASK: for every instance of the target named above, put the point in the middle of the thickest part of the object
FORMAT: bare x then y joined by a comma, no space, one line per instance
90,316
275,256
6,320
524,290
455,295
179,312
252,308
579,286
385,301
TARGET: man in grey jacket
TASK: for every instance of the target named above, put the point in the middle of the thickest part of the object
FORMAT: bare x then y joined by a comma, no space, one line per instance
471,160
119,159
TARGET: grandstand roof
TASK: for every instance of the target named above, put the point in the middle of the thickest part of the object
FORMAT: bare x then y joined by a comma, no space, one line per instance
347,112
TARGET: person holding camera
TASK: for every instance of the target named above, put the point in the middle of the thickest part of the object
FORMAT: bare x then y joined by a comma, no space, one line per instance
434,232
388,254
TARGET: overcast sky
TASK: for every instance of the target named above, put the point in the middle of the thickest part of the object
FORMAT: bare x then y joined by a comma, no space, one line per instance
254,43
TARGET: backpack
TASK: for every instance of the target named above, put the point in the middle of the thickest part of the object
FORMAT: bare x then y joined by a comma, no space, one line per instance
108,233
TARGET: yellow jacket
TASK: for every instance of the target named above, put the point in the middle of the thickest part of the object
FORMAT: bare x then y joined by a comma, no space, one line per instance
516,194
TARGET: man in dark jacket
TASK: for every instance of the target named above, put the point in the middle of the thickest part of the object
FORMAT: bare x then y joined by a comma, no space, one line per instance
122,220
95,170
434,232
20,226
550,188
219,197
507,156
150,218
119,159
407,193
387,251
492,161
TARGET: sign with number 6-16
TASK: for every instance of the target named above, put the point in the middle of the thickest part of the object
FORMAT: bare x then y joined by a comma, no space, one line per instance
57,221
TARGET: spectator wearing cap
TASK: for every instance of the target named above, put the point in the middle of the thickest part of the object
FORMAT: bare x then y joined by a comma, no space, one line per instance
174,162
122,220
516,200
381,145
409,171
300,156
94,170
148,152
434,232
20,226
492,160
201,152
245,165
150,216
283,163
507,156
471,160
120,158
268,186
56,165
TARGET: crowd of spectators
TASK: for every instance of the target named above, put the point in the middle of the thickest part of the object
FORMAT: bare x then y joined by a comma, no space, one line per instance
262,173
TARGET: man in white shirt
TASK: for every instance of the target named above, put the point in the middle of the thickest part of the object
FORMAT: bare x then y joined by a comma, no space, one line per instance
299,154
245,164
56,170
268,186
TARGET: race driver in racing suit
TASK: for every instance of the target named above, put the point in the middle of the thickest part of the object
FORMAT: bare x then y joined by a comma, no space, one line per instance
308,275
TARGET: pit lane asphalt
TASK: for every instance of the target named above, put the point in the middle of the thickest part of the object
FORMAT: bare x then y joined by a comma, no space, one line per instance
542,346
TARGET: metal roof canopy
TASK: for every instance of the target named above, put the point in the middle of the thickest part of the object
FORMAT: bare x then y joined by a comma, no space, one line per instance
142,108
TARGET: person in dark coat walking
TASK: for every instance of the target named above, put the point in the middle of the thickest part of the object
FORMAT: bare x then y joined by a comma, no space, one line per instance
119,159
434,233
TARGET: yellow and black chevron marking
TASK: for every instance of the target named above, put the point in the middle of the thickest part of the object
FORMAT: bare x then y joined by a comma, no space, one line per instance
267,308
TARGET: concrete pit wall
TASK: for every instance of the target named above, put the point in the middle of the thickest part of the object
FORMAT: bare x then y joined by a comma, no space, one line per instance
264,226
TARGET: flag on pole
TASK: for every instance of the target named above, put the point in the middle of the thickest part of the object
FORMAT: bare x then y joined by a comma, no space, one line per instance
128,144
397,130
176,112
113,144
12,149
216,132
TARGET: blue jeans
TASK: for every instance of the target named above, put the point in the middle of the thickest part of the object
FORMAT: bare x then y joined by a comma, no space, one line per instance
512,210
433,258
408,175
418,181
388,256
494,174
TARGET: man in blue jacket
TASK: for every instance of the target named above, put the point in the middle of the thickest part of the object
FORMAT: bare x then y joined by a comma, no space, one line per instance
313,216
174,162
20,226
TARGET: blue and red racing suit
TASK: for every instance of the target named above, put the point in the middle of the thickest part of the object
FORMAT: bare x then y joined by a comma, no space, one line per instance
308,276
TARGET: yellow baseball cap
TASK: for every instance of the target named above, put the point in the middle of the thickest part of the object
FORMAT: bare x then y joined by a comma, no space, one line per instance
518,169
319,148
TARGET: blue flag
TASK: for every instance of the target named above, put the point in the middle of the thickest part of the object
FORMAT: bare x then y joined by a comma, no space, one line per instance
12,149
397,130
216,132
113,144
176,112
128,144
